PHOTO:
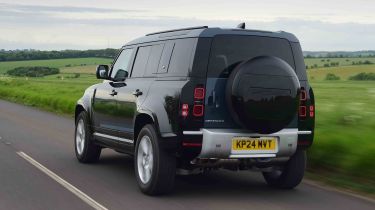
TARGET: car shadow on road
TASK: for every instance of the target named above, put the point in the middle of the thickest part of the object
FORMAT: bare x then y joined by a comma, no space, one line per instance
216,183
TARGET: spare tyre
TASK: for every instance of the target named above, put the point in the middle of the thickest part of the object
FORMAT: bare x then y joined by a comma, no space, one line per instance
262,94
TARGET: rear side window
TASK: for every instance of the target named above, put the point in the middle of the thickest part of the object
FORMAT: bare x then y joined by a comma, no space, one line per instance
147,60
176,58
166,57
140,62
153,60
228,51
181,57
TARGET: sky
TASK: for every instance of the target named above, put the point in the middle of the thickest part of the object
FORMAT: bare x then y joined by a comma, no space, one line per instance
320,25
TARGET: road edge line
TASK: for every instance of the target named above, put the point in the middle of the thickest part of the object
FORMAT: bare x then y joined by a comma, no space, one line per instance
321,185
87,199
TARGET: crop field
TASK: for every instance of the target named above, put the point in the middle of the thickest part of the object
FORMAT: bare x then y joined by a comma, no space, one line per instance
345,119
344,72
53,63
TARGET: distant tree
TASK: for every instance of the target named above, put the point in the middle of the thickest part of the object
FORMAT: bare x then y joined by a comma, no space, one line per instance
331,76
18,55
367,62
363,76
34,71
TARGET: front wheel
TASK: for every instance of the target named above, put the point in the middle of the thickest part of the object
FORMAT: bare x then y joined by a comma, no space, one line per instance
290,175
155,168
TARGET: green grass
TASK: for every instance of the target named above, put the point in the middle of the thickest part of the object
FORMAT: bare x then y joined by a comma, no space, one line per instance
344,147
342,61
54,63
345,130
49,93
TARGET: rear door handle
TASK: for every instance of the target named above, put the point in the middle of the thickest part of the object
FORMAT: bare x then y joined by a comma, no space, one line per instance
137,93
113,93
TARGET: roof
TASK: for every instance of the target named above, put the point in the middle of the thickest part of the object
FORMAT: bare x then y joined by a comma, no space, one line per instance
204,31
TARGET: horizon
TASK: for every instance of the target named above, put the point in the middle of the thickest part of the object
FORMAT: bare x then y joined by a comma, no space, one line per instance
75,24
310,51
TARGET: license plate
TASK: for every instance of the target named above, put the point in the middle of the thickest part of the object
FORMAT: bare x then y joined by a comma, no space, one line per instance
254,143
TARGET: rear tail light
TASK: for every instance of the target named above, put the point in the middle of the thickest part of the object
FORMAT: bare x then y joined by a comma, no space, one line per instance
312,110
199,93
302,111
305,110
198,110
185,110
198,104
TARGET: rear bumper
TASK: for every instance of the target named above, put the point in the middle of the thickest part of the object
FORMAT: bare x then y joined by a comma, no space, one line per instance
217,143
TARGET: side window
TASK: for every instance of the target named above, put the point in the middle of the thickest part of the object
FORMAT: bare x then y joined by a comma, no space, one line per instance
121,67
181,57
166,57
153,60
140,62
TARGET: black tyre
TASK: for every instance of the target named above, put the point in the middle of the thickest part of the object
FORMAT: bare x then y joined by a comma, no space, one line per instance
155,168
290,175
85,149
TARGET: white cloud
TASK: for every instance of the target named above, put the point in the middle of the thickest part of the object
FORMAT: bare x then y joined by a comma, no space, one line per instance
320,25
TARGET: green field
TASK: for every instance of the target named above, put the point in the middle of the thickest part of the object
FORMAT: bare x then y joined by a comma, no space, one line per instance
344,147
55,63
342,61
343,71
345,130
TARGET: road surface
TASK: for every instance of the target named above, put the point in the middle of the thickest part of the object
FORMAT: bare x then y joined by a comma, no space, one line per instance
30,137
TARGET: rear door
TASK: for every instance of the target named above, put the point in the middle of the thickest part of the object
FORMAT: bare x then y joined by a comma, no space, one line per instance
227,51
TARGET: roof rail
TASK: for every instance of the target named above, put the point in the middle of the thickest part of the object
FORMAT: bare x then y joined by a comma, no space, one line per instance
181,29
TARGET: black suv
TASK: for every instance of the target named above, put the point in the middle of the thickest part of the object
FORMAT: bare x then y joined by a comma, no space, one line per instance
195,99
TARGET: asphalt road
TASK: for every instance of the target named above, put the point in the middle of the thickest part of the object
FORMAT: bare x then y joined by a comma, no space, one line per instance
48,139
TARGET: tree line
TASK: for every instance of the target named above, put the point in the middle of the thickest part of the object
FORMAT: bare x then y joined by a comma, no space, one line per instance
20,55
33,71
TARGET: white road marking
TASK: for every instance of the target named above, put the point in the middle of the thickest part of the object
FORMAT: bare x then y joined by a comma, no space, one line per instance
64,183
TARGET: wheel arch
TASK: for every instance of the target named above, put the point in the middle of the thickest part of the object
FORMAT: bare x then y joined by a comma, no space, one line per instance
80,107
142,119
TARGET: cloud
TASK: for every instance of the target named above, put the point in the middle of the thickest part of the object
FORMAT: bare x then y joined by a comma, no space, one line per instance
61,27
22,8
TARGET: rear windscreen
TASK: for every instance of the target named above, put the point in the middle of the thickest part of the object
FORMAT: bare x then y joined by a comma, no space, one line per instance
227,51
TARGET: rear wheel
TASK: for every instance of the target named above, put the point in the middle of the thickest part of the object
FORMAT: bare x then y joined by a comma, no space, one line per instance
85,149
155,168
290,175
